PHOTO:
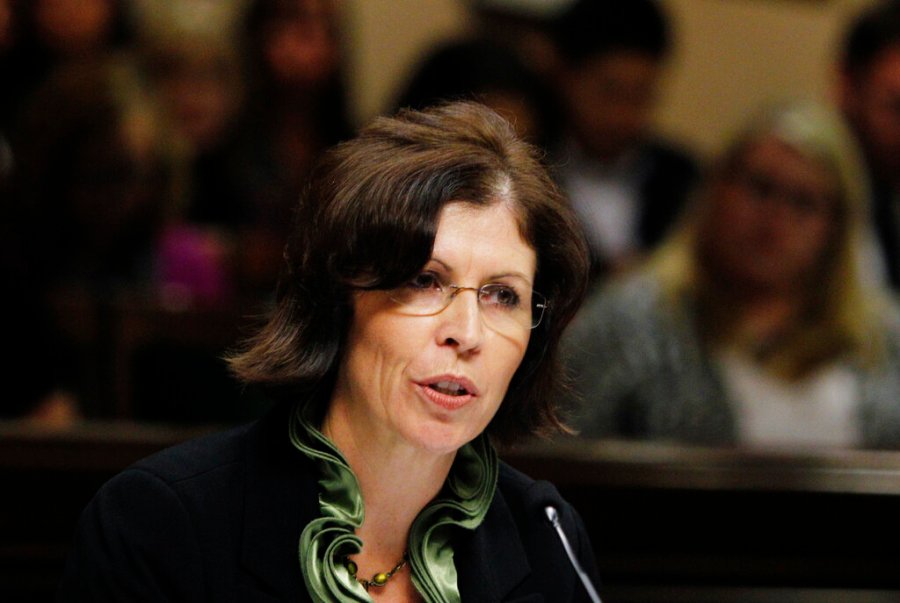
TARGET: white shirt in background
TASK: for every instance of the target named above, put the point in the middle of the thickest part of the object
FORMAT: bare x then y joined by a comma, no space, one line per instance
821,410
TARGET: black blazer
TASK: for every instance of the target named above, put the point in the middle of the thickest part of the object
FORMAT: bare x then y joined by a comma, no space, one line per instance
219,519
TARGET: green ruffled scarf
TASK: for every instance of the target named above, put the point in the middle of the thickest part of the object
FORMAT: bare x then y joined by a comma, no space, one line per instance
327,540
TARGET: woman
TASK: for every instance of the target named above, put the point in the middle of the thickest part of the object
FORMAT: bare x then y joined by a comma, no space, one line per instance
752,325
408,333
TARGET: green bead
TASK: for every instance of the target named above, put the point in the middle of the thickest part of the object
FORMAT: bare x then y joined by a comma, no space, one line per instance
351,567
380,579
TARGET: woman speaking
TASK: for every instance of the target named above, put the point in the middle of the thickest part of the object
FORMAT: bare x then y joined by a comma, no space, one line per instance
431,270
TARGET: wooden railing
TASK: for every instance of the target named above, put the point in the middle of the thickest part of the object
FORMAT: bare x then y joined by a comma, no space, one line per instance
668,523
47,478
674,523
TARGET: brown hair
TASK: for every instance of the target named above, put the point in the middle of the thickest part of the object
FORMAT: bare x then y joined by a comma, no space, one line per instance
368,220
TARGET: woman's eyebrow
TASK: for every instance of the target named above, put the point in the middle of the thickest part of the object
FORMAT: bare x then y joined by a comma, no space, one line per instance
493,277
517,275
444,264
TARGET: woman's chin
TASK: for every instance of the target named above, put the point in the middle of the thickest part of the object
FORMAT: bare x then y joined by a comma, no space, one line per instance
438,437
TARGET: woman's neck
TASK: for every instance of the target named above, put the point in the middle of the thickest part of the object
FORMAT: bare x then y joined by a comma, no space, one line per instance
396,482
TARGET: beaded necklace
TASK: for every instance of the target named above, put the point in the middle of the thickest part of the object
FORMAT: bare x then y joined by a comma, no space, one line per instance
379,579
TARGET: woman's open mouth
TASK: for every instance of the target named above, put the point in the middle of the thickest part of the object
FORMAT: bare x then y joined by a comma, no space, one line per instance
449,393
449,388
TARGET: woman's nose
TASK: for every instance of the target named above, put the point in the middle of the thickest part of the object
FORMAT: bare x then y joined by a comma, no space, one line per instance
461,323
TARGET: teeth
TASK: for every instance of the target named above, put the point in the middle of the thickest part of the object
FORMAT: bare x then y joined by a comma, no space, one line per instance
449,387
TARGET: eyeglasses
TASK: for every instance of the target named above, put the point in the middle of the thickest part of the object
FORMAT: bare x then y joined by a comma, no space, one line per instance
801,200
505,308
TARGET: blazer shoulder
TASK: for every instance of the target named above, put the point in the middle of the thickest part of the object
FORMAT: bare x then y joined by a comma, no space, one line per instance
513,483
198,456
527,499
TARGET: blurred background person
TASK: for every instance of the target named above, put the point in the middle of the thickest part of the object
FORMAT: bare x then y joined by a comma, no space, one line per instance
36,39
869,95
95,185
626,185
96,220
297,107
195,68
297,81
522,27
491,73
42,35
197,81
256,92
751,325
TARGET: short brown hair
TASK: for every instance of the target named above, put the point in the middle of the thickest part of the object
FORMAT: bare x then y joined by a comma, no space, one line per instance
368,220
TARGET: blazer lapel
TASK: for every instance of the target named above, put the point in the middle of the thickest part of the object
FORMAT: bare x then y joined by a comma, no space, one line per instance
491,560
281,497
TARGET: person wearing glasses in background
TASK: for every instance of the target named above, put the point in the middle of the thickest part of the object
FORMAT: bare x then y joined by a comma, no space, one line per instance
429,275
752,325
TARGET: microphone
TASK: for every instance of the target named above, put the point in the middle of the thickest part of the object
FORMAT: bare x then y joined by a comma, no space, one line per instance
553,517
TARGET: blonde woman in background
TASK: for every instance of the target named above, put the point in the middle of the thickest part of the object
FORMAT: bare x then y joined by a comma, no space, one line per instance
752,325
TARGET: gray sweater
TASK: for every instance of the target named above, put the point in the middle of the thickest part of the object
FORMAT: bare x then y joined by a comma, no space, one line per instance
640,370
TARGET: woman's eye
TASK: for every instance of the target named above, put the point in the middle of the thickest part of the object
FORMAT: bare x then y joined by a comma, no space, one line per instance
501,296
425,280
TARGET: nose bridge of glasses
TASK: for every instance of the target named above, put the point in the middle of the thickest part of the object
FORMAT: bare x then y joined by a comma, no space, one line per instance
493,319
454,290
472,316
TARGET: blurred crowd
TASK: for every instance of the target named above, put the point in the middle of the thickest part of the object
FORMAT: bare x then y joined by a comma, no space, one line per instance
151,152
767,314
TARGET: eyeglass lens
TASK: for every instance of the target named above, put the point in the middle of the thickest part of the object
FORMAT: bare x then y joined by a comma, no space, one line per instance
503,307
